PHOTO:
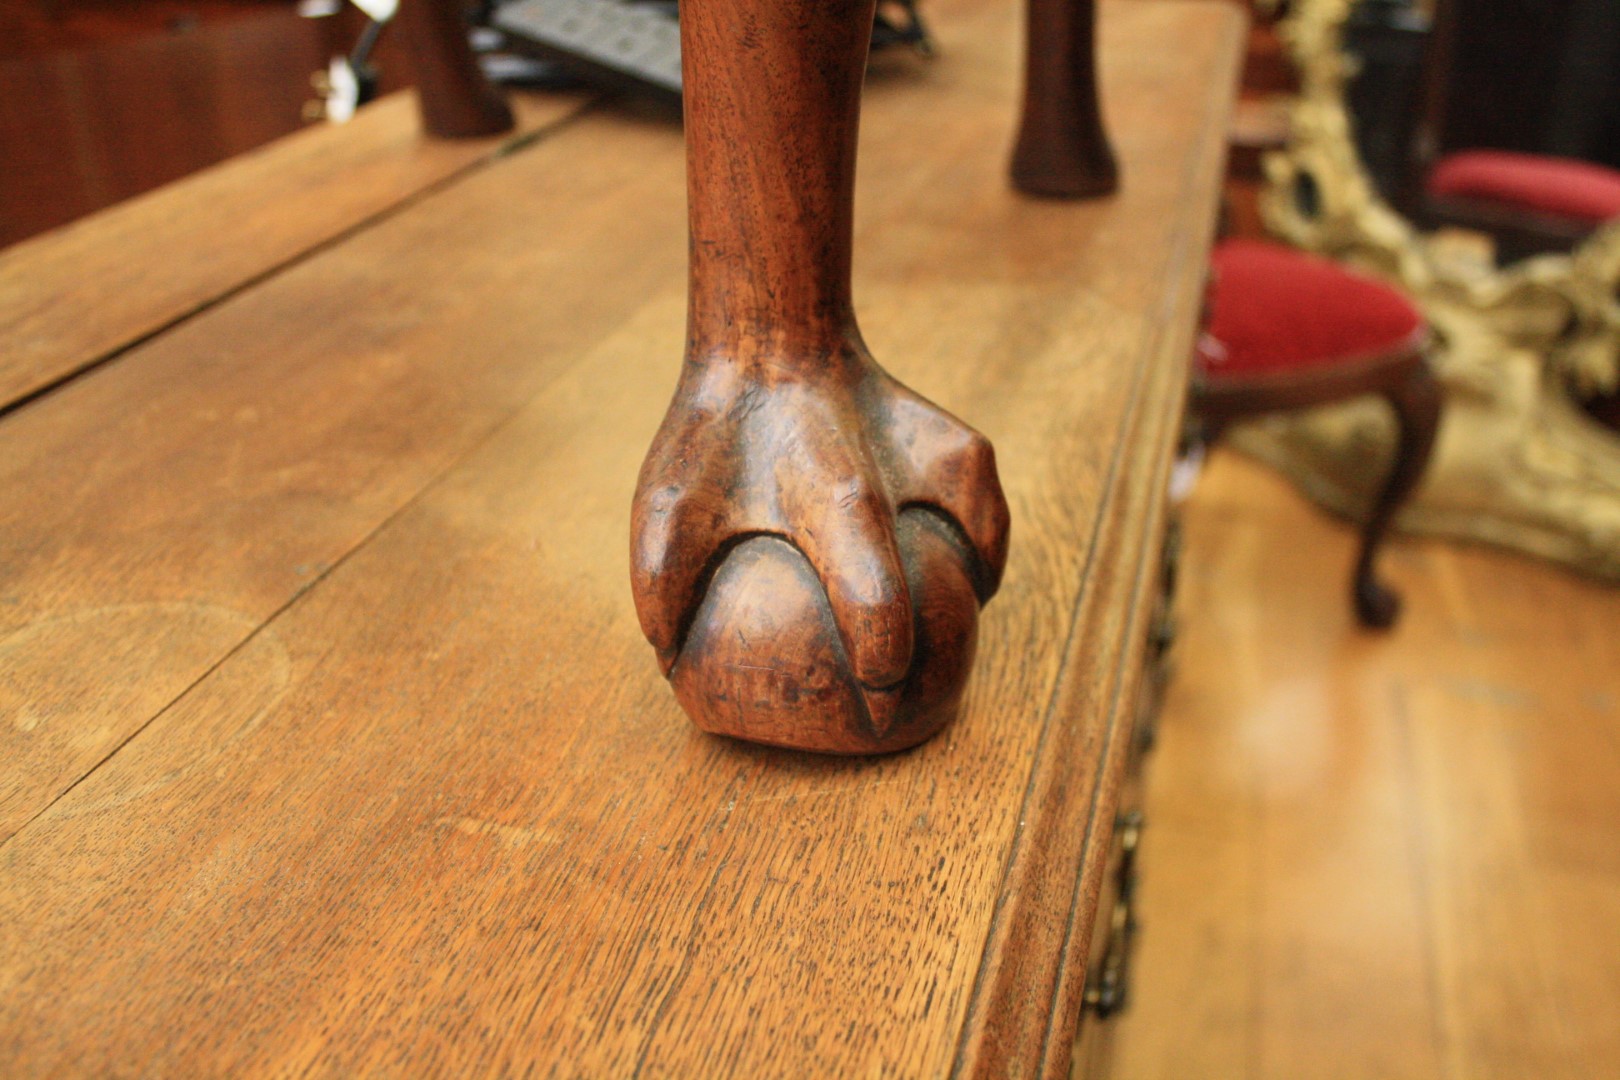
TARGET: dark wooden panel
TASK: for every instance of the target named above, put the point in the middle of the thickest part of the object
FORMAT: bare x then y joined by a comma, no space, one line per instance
87,127
1542,76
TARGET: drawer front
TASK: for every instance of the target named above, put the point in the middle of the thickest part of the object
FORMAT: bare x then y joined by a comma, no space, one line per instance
1159,660
1108,969
1108,973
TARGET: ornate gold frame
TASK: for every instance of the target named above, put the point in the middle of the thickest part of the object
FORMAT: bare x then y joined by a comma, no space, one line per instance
1517,463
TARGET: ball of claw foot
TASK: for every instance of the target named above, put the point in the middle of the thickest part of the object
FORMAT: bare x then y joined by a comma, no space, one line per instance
763,660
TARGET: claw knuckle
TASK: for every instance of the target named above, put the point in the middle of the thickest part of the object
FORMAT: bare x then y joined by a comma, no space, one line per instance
652,557
858,497
664,500
978,452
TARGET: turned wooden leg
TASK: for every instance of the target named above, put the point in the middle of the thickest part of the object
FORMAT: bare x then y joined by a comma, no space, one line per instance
1062,149
1416,401
457,101
811,540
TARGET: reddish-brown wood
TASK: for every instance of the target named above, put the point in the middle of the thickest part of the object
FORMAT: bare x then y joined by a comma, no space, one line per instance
811,539
99,106
457,101
1063,149
1402,377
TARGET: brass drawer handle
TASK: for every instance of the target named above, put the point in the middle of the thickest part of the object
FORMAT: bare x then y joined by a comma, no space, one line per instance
1163,634
1161,639
1109,991
1170,558
1129,827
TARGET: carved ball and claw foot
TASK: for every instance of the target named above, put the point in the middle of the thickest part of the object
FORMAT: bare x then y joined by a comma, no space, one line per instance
811,544
811,540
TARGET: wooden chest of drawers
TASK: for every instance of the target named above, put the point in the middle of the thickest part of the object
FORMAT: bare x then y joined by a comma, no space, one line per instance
330,745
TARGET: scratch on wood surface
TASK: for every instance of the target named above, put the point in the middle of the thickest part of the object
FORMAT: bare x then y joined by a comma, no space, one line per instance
755,667
816,793
508,836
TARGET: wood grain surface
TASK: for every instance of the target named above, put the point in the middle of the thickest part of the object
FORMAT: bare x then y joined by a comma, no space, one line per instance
354,759
183,494
71,297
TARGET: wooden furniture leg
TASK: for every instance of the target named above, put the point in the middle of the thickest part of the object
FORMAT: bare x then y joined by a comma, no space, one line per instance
1062,149
1416,401
456,99
1403,379
811,540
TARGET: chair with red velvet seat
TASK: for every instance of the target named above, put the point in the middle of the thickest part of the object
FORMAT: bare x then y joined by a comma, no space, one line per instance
1291,331
1531,202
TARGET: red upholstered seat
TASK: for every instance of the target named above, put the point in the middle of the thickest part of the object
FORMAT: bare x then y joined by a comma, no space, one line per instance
1550,185
1276,310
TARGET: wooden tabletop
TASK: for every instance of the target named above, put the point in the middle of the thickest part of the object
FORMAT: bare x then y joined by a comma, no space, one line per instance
72,298
328,741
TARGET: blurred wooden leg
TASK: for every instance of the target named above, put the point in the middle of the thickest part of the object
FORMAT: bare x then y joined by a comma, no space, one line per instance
1062,150
457,101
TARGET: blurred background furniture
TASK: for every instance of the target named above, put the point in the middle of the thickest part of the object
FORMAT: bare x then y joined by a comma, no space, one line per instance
1520,350
1528,203
1499,117
1293,331
1496,115
100,101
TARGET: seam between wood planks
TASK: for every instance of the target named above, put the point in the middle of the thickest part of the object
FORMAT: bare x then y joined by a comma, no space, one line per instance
363,224
428,486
